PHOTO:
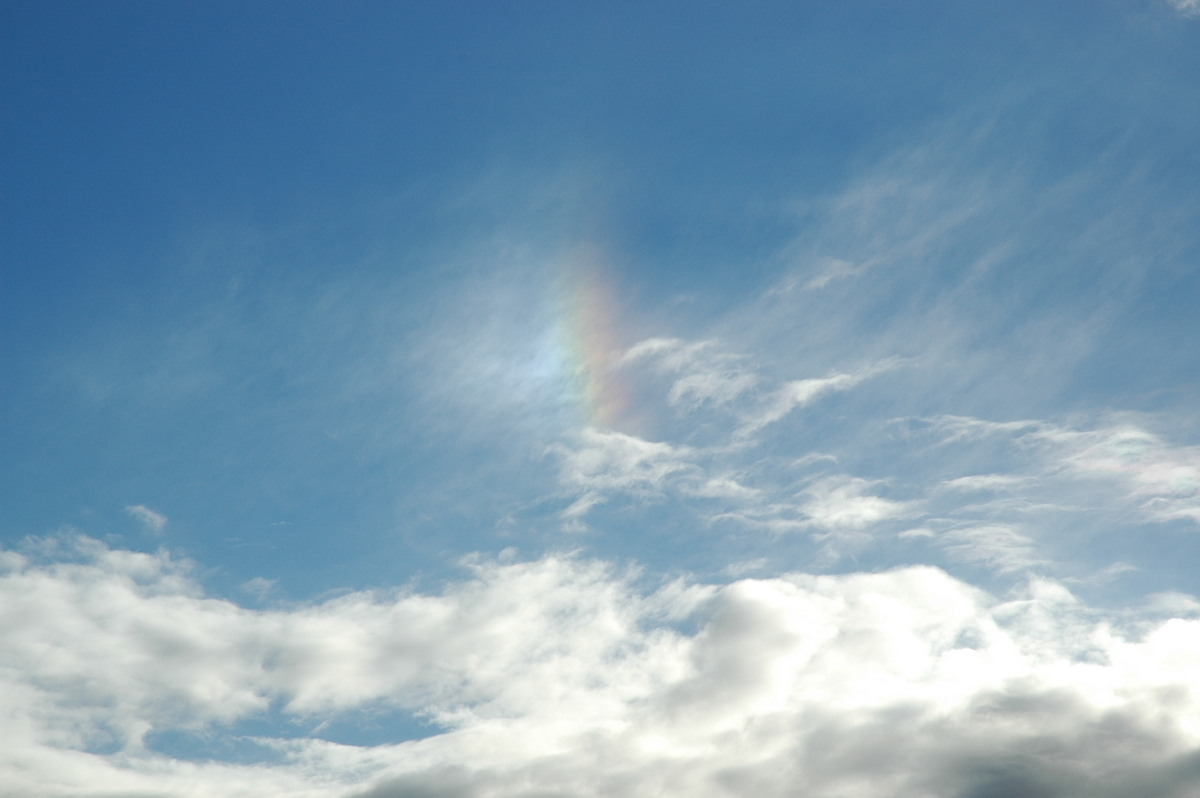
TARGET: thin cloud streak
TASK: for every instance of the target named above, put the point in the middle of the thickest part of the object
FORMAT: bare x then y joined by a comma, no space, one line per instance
149,519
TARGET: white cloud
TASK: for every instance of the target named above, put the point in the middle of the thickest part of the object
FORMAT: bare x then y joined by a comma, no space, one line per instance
846,503
717,388
707,375
597,465
983,482
672,353
259,586
835,269
799,393
149,519
600,463
990,493
996,545
1131,466
959,428
1188,8
840,512
1047,477
560,677
1164,479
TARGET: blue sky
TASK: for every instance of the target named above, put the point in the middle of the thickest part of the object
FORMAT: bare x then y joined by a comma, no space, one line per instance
485,399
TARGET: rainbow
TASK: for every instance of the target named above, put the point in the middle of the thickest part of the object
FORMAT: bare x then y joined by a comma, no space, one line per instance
588,327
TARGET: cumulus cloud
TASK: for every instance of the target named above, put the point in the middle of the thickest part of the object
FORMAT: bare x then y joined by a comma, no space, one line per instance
149,519
565,677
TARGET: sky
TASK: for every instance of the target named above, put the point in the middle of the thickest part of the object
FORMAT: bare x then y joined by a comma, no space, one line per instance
565,400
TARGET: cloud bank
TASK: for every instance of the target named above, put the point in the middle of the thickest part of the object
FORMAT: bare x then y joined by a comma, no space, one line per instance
570,677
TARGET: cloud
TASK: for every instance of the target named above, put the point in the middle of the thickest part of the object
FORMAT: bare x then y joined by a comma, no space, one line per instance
986,492
1164,479
1188,8
799,393
567,677
598,464
983,483
259,586
840,502
706,376
606,460
992,493
1054,491
996,545
149,519
728,474
834,270
794,394
839,512
1117,461
951,250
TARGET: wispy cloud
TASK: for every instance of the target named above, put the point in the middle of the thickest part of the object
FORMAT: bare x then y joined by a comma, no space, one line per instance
604,461
1043,471
149,519
799,393
984,483
1130,467
1188,8
1164,479
598,465
997,546
259,586
847,503
703,374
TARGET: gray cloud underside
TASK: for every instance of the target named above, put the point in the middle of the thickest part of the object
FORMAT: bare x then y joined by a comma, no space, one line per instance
563,677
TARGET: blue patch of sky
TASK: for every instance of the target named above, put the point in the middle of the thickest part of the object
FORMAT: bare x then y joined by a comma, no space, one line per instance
223,222
255,740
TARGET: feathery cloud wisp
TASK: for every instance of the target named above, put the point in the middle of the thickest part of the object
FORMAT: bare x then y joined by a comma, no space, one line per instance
149,519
